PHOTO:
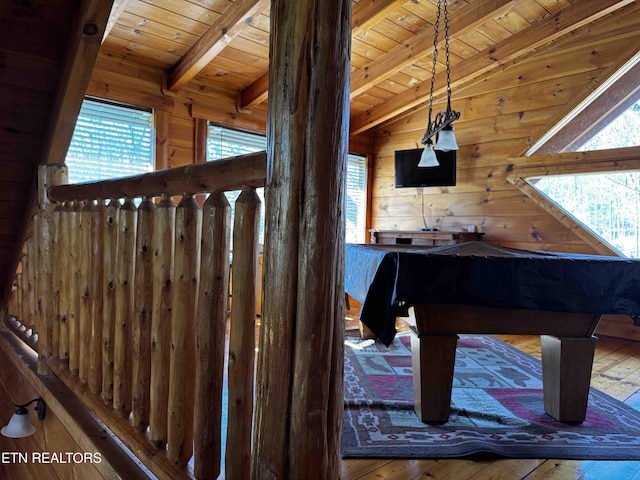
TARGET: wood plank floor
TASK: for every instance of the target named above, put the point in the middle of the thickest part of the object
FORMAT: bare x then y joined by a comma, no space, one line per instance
616,371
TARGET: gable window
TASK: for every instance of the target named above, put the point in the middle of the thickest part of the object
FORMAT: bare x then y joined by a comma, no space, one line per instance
225,142
110,141
607,204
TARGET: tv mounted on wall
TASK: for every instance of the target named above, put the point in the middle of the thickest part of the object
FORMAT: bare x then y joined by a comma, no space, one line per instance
408,174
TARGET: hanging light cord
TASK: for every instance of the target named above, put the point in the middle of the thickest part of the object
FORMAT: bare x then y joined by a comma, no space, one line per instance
436,29
446,54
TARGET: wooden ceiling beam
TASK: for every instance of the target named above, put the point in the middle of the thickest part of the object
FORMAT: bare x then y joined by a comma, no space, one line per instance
230,24
523,42
421,44
116,11
366,13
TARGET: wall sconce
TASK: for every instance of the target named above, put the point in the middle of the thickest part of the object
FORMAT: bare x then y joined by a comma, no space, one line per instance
20,424
442,125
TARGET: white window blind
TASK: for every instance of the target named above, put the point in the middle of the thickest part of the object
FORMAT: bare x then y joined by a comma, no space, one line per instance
110,141
225,142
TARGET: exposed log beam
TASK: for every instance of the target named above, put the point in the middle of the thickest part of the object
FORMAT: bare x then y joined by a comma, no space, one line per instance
116,11
597,115
366,13
421,45
230,24
535,36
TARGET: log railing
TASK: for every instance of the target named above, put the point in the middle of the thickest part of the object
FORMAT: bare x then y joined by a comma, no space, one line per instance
128,305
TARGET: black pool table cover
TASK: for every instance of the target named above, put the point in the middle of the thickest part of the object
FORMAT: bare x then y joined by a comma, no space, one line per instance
387,279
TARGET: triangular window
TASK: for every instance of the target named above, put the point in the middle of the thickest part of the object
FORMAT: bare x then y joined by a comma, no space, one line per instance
607,204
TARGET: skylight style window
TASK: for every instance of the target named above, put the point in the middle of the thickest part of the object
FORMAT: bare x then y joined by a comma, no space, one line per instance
110,141
224,142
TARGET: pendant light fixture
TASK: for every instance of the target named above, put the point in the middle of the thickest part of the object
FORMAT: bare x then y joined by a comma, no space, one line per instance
441,127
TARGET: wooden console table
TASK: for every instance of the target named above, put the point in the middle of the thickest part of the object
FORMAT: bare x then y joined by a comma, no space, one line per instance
422,237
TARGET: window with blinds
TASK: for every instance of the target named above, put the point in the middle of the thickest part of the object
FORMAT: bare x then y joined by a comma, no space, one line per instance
110,141
225,142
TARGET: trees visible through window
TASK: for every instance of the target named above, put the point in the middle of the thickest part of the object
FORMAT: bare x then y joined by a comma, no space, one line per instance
608,203
110,141
224,142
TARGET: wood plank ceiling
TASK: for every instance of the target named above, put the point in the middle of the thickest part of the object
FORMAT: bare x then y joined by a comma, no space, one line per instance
225,45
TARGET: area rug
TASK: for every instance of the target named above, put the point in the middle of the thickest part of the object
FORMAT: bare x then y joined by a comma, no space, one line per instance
497,408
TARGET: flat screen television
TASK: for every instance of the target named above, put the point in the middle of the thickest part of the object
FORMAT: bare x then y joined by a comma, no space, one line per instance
408,174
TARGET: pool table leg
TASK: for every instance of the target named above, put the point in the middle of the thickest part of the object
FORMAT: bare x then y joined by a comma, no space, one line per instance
566,376
433,359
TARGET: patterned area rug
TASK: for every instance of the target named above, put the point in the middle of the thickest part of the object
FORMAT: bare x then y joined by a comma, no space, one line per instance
497,408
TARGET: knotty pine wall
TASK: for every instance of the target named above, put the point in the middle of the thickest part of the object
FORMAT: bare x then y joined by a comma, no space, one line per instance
503,114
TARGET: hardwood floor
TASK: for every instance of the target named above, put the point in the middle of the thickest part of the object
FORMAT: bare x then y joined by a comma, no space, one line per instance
616,371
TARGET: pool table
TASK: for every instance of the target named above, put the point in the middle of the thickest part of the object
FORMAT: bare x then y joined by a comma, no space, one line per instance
477,287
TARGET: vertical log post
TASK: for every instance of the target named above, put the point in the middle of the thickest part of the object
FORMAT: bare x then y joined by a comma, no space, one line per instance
62,232
242,334
182,368
211,322
142,319
74,287
303,258
122,345
48,175
111,217
97,288
163,248
85,308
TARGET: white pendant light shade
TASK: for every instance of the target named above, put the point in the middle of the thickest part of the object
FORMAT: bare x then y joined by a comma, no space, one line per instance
19,426
428,157
447,140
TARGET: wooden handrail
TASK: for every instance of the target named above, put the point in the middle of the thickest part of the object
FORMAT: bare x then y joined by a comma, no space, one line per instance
220,175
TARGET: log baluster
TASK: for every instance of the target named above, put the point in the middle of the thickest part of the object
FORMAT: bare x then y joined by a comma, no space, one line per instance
210,335
163,248
109,296
125,272
31,258
62,232
54,306
48,175
141,328
182,365
242,334
97,289
86,295
16,306
74,284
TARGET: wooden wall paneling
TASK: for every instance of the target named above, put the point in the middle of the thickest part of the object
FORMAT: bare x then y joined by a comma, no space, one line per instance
487,203
541,228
